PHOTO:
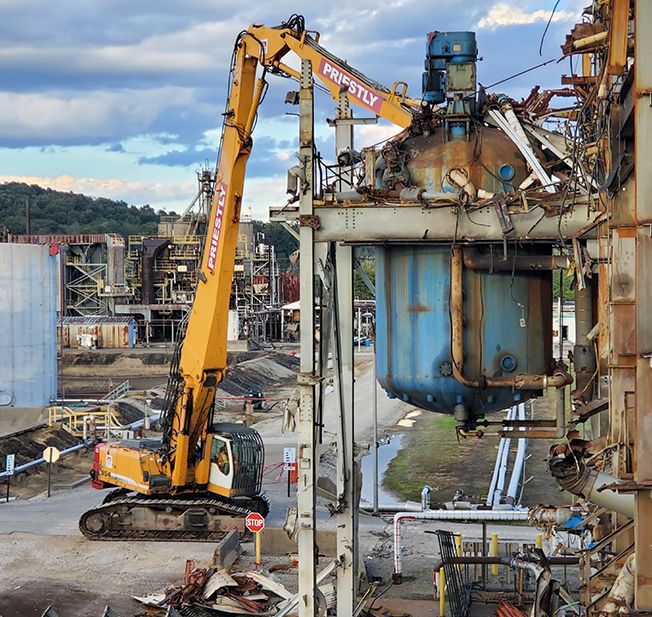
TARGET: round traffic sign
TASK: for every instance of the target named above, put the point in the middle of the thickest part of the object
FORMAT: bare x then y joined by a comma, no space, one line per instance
51,455
255,522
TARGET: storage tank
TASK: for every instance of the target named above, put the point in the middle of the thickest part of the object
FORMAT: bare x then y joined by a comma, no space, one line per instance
456,324
507,329
28,362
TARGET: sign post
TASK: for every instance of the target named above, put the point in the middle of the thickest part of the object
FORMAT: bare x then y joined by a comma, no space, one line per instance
289,460
11,460
51,455
255,523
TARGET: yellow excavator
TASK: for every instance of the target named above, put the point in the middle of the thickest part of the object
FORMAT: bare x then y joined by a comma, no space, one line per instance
202,479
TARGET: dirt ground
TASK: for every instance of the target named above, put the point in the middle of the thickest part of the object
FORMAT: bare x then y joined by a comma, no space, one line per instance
45,561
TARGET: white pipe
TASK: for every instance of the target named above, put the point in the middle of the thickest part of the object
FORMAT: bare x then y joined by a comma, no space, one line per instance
502,469
450,515
518,463
499,458
525,148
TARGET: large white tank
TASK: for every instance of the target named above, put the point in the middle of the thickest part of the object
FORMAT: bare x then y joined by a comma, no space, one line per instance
28,326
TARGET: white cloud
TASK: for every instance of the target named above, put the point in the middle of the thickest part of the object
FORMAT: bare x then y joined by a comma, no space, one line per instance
199,47
261,193
90,114
503,14
131,192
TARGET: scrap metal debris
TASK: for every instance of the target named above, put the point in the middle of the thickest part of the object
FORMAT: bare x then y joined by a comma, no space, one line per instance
206,590
507,609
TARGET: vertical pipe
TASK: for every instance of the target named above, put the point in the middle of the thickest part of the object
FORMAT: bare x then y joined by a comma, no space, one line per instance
494,552
518,462
494,477
560,321
583,355
359,329
484,553
374,407
502,472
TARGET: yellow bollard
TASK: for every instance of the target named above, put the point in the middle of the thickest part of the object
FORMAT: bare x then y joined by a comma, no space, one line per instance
494,552
258,548
442,586
539,541
458,546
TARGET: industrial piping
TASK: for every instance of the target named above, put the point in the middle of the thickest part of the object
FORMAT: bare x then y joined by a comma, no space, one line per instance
499,458
483,516
518,462
574,476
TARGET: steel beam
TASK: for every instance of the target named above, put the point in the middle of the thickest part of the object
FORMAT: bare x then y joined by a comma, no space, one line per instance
416,223
643,413
307,456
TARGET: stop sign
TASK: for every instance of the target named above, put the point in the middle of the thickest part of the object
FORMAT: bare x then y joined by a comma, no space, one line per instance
255,522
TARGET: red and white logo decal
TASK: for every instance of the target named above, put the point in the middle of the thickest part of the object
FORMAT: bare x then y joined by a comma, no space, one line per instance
217,227
357,90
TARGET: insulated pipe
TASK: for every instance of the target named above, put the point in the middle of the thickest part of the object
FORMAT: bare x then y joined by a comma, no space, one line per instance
528,381
448,515
515,478
38,461
425,498
407,194
475,260
622,593
500,467
583,354
575,477
408,506
502,471
499,458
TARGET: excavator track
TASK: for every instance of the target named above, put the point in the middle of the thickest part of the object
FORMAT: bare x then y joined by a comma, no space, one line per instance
163,520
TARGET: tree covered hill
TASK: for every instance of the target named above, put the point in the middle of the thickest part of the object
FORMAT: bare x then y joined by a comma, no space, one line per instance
56,212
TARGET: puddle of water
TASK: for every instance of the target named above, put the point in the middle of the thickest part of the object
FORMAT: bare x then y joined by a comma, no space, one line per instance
386,453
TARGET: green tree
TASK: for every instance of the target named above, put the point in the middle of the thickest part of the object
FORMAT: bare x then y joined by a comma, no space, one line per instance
569,293
56,212
360,289
281,239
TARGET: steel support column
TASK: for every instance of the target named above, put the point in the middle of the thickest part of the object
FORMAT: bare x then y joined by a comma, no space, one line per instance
306,459
643,414
347,518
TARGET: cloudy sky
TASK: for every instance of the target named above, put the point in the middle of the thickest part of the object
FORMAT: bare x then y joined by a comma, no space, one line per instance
123,99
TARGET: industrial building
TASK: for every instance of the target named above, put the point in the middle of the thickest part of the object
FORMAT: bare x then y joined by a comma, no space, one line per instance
152,280
471,209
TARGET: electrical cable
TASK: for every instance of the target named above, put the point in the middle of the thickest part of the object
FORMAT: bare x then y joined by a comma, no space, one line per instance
554,8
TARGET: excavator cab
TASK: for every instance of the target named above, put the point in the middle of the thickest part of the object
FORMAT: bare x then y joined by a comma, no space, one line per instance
237,459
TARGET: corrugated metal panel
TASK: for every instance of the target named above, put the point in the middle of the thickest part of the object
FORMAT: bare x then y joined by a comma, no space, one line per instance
107,334
98,319
67,239
28,362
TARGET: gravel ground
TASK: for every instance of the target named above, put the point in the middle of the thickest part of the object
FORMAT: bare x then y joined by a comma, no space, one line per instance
45,561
